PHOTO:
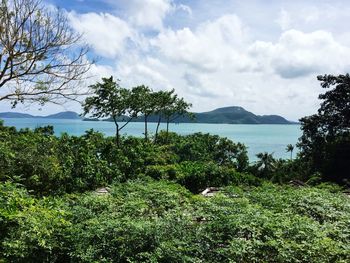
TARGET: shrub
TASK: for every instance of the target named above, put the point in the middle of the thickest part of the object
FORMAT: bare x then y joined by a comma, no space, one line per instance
159,221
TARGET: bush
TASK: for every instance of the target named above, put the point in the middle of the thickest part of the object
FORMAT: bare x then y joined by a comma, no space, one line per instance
196,176
206,147
48,165
32,230
159,221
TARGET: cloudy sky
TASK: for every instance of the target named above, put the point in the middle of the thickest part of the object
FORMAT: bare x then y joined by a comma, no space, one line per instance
261,55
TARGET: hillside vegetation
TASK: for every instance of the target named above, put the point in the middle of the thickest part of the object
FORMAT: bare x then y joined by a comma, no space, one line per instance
49,211
159,221
124,199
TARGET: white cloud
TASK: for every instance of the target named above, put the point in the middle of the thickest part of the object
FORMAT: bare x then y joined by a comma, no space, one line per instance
298,54
219,62
231,53
151,13
308,16
208,48
107,34
148,13
295,18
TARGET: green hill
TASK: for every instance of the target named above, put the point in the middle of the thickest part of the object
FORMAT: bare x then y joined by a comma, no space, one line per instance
15,115
64,115
237,115
60,115
229,115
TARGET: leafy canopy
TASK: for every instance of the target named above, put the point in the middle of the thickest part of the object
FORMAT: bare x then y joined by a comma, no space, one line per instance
325,142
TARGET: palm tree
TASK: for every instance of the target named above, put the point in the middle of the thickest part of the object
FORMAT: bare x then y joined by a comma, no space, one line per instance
266,163
290,148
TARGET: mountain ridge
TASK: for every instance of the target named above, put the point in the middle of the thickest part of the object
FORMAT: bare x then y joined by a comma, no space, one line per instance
237,115
225,115
60,115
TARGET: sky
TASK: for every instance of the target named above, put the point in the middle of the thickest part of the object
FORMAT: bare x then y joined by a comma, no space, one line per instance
261,55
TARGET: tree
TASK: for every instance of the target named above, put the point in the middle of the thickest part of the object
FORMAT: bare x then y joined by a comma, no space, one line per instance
175,110
39,56
325,142
265,164
164,100
110,100
143,101
290,148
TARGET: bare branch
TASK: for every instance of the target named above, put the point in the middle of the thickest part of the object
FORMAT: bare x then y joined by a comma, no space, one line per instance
40,55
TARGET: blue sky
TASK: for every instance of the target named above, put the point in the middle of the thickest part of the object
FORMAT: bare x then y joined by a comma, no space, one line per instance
261,55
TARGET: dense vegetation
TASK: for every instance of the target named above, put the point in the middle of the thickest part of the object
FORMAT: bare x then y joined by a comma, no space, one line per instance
158,221
49,212
325,142
152,212
46,164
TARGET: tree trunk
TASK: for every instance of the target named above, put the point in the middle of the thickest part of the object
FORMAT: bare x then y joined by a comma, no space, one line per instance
146,130
167,130
155,137
117,130
117,135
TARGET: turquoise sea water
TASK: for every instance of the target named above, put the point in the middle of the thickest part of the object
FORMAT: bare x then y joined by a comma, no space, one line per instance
258,138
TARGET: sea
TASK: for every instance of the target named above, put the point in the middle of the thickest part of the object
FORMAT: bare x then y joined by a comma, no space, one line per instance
271,138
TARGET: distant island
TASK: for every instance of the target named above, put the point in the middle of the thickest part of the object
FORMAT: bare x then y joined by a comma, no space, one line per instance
226,115
61,115
235,115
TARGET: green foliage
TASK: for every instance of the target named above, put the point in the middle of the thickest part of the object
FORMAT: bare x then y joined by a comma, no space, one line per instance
123,105
30,158
325,143
196,176
110,100
206,148
265,165
158,221
46,164
152,213
290,148
32,230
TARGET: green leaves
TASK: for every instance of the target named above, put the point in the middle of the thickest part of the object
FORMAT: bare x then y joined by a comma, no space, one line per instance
325,142
48,165
158,221
123,105
50,212
109,100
